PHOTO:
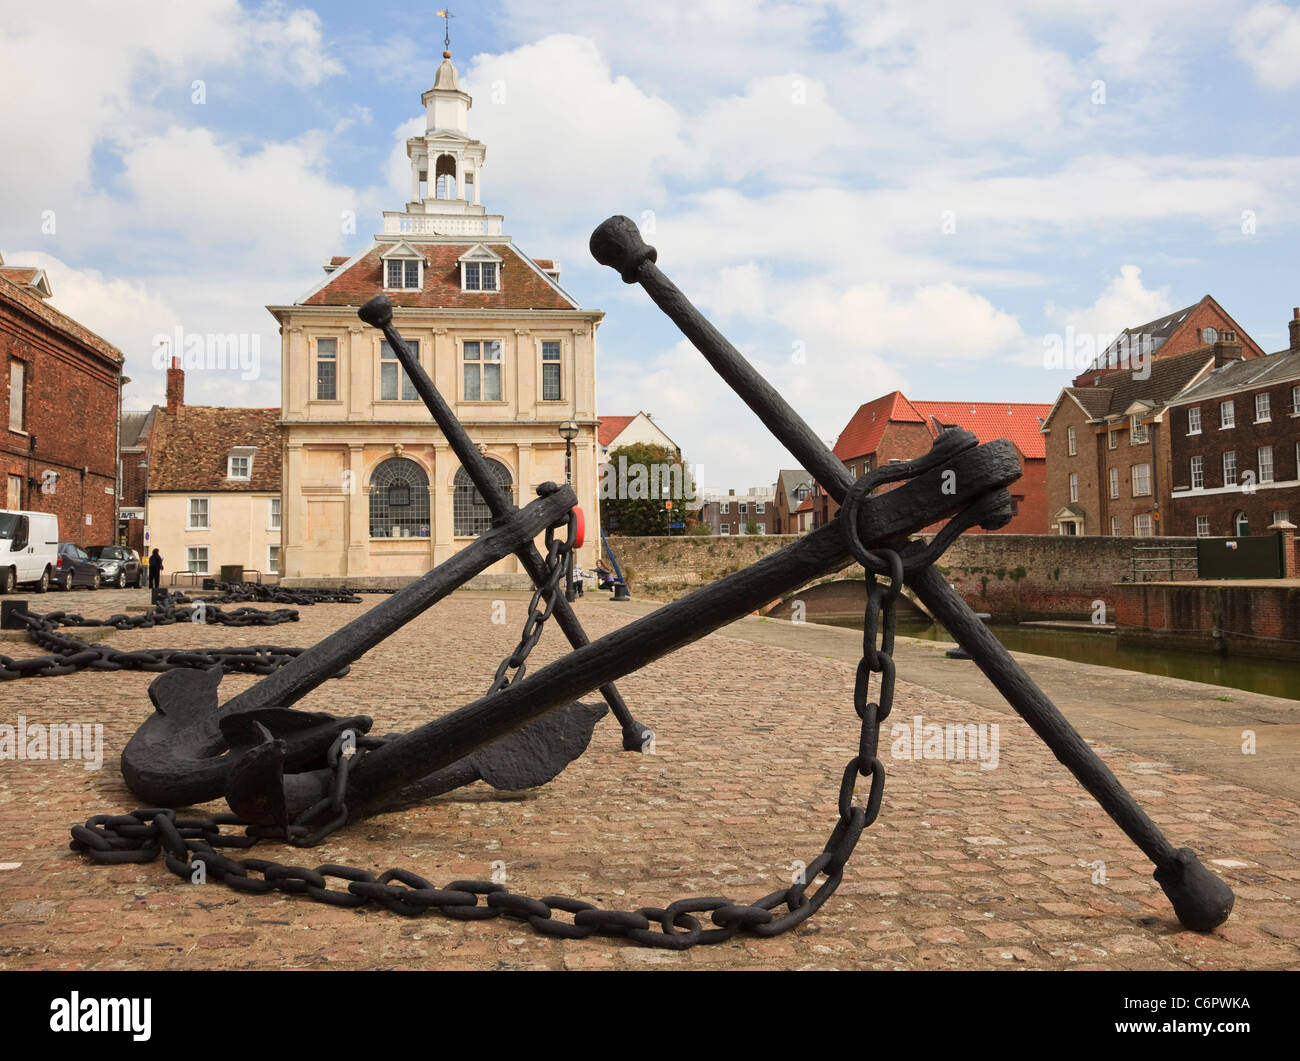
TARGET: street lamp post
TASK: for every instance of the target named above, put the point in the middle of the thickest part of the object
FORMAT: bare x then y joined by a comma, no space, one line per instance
568,431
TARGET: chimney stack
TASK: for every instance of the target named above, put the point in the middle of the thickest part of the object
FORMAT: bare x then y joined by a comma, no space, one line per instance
175,387
1295,328
1227,349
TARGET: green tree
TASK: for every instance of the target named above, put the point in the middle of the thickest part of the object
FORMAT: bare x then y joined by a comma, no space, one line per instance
635,482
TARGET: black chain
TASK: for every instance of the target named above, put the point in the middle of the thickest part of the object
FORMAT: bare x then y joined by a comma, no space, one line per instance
71,654
241,592
190,844
558,554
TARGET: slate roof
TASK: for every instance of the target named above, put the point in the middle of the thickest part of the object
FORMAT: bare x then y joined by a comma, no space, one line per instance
1168,376
790,479
190,448
131,427
1160,328
1245,375
523,285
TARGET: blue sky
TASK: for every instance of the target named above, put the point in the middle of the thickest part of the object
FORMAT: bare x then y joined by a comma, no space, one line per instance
862,195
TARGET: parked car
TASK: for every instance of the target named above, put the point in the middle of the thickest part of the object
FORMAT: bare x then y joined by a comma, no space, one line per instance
75,568
121,566
29,549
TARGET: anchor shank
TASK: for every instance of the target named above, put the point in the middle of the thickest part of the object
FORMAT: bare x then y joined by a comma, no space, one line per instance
1200,899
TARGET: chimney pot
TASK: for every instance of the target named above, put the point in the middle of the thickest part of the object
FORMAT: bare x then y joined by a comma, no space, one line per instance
1294,345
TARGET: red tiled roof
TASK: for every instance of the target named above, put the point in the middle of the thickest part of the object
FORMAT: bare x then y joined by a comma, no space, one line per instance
1018,421
18,274
862,435
806,506
189,449
522,287
612,426
15,295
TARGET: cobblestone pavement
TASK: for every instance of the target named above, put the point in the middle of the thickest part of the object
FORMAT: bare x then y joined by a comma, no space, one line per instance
966,868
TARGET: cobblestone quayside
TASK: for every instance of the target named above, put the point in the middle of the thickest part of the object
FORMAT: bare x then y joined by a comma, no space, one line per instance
966,868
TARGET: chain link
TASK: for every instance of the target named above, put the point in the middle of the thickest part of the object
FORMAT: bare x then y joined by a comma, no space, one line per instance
69,654
558,555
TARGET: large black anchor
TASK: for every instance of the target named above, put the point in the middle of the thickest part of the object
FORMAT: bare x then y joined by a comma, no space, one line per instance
273,772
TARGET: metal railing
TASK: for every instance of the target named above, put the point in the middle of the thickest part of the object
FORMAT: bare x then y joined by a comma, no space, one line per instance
1164,563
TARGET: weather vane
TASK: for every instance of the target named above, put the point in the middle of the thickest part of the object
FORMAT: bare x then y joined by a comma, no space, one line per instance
446,16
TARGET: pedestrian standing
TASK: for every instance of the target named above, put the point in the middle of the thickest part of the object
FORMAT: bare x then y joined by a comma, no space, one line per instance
155,569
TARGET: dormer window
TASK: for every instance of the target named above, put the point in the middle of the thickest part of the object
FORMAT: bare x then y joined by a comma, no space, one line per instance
480,269
481,276
402,274
403,268
239,463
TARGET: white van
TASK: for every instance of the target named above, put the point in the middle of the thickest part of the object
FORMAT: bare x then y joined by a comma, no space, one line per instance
29,549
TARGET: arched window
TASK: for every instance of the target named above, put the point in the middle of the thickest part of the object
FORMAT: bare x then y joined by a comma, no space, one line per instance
399,500
470,512
445,177
1240,525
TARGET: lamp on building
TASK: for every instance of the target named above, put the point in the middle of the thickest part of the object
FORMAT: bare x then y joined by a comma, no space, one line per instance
568,432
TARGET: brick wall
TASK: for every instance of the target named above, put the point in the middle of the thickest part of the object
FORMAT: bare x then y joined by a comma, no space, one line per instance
1237,620
1012,576
1281,431
71,410
663,568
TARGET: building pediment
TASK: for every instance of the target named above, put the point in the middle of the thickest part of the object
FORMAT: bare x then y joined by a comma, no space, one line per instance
401,249
480,253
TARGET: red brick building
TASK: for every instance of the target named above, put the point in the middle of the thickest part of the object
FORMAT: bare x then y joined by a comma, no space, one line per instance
1191,328
134,434
794,487
1234,438
733,513
893,428
61,386
1109,463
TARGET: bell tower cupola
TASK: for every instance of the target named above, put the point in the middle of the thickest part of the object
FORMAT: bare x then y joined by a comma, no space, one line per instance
446,167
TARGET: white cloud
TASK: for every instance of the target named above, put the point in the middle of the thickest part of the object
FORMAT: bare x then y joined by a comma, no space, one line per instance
1124,303
784,127
1267,39
189,183
1081,333
72,90
563,133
